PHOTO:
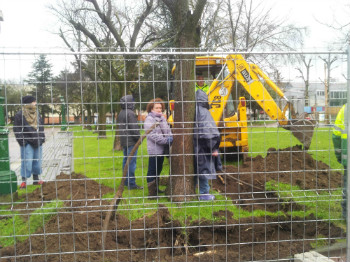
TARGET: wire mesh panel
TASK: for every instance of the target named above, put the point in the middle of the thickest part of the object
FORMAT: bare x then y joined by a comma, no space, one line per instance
172,156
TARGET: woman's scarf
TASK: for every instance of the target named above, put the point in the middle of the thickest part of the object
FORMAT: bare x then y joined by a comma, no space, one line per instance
31,115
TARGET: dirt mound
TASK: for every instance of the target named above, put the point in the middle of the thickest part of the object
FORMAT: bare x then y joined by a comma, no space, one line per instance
245,184
75,233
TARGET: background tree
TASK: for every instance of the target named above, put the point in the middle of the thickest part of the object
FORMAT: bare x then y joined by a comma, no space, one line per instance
305,75
328,61
41,78
12,94
101,26
247,25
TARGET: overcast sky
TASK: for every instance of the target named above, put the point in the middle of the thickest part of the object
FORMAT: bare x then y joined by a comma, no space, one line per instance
28,24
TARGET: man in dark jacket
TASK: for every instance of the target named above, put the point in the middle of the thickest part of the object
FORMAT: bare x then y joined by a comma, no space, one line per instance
129,132
206,145
30,135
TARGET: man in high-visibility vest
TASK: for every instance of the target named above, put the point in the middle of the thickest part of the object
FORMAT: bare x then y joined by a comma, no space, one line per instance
201,84
340,142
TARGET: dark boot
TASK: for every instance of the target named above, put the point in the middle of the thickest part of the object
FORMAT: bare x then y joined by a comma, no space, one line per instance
152,190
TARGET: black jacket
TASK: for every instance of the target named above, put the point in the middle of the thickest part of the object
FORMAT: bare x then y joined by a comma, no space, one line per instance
129,130
26,134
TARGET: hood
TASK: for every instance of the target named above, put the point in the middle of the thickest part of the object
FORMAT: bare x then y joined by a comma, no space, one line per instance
202,99
127,102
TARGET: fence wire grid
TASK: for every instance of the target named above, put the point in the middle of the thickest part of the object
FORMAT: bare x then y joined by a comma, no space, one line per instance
240,182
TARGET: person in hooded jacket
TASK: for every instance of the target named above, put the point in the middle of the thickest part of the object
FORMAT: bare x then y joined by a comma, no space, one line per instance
206,146
340,142
29,131
129,132
157,140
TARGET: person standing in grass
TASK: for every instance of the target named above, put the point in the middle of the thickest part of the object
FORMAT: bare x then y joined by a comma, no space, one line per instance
157,140
206,139
129,131
29,131
340,142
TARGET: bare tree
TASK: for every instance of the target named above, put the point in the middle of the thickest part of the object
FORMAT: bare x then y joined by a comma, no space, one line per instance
328,69
245,25
305,75
97,25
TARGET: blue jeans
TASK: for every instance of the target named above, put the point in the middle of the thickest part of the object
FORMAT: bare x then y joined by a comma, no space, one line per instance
31,161
155,166
130,179
203,184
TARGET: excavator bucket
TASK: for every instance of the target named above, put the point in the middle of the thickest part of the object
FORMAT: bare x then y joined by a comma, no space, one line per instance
303,130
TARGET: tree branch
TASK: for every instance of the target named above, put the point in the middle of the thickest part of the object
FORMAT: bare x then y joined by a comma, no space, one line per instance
108,22
139,23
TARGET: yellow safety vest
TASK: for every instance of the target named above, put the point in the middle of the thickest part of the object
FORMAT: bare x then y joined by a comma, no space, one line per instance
340,136
339,124
205,87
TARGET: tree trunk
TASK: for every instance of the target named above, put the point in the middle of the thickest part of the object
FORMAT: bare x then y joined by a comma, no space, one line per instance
101,126
181,180
116,144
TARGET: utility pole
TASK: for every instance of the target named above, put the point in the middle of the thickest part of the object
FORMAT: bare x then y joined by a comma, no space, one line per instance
326,93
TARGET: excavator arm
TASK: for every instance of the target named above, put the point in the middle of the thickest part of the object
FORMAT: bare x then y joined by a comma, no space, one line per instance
249,75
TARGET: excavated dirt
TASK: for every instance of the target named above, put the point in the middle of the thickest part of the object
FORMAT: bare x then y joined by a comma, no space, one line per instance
74,234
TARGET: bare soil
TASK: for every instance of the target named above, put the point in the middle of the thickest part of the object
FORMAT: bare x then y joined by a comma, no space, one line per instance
74,234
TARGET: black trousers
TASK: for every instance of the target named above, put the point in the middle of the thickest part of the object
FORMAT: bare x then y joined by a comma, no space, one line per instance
155,166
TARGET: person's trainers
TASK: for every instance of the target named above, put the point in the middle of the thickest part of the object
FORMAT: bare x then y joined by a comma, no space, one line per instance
206,197
135,187
40,182
23,185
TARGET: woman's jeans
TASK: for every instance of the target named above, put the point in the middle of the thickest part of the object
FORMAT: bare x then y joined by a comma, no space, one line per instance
31,161
203,184
155,166
130,179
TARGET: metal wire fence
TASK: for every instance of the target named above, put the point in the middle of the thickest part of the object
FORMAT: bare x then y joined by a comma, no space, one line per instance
246,178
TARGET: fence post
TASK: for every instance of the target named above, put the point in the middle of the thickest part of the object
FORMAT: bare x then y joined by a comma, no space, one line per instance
347,128
8,178
63,115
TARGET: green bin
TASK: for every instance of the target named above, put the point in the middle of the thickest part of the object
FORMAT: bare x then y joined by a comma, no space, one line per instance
8,182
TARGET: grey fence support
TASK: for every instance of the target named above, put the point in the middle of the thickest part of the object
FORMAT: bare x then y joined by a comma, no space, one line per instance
348,170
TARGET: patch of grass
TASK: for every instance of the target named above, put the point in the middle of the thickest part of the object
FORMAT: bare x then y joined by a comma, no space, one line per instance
323,204
136,208
321,148
96,159
15,229
321,241
29,189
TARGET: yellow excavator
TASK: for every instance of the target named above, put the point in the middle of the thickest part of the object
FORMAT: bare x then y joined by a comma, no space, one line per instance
234,71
